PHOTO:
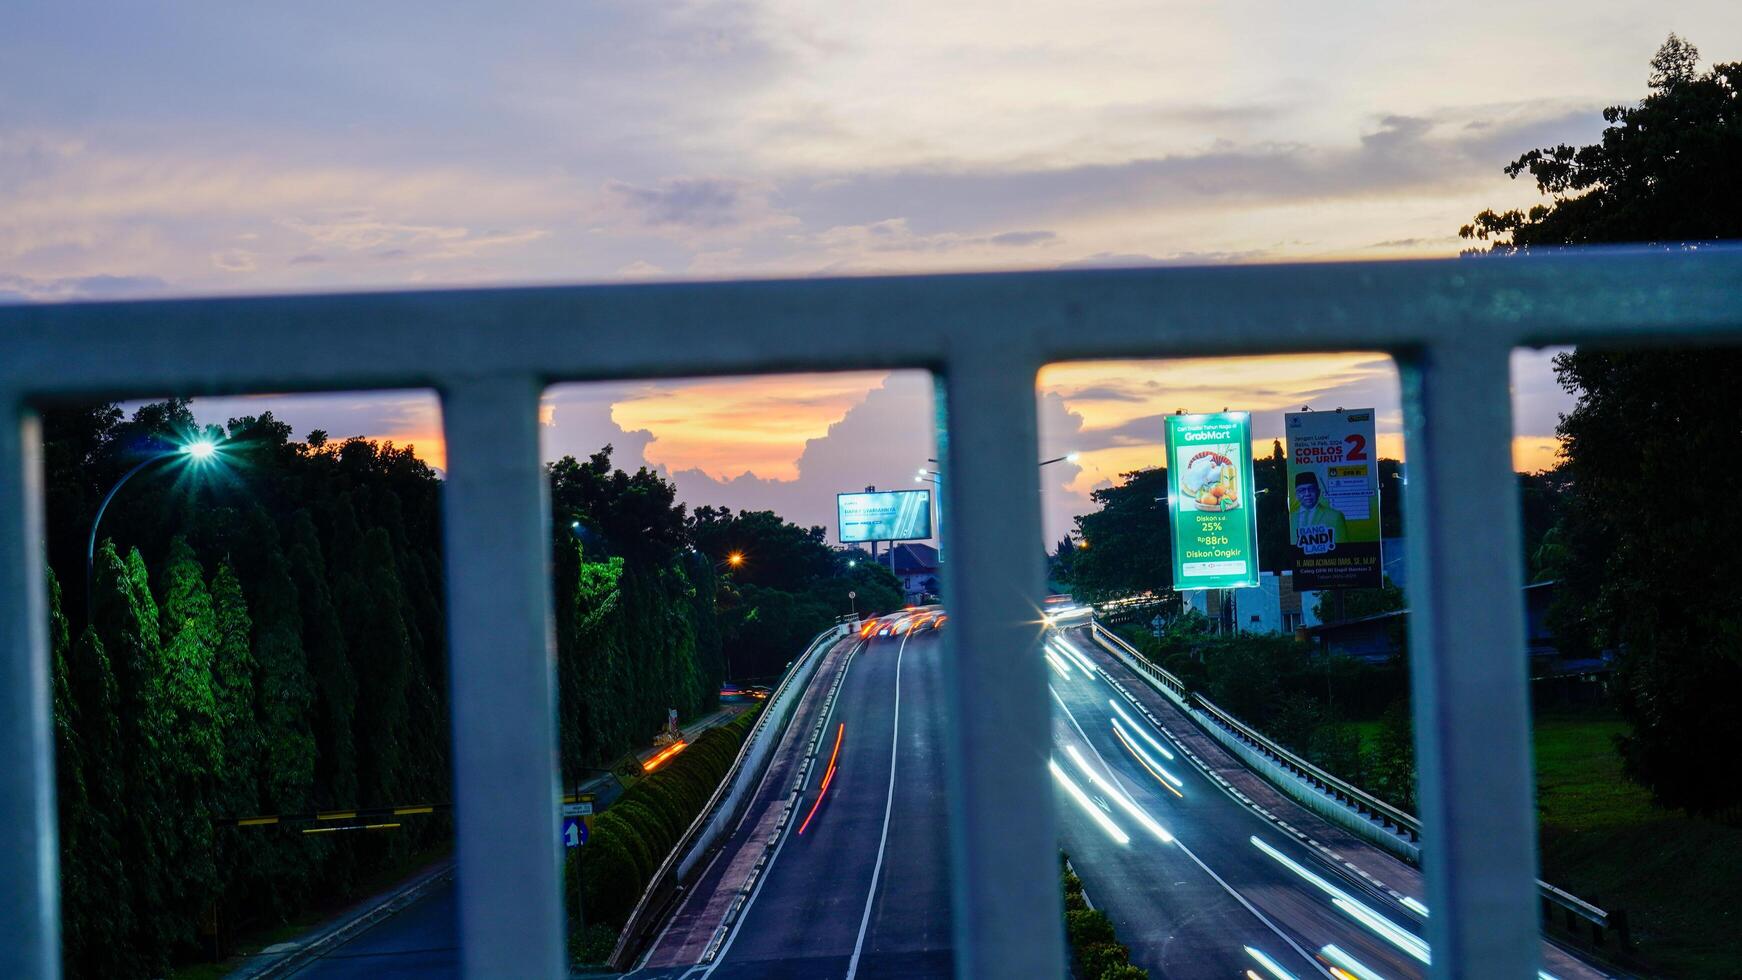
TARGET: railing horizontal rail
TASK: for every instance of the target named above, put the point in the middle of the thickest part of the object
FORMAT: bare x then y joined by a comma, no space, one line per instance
425,338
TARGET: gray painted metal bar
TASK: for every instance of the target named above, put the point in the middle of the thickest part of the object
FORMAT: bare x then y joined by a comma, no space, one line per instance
1467,664
503,681
29,873
1003,840
211,346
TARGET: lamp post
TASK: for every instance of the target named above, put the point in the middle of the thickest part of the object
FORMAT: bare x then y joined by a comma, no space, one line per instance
199,451
936,478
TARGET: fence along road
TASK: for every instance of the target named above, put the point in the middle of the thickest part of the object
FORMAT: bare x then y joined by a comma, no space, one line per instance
1451,325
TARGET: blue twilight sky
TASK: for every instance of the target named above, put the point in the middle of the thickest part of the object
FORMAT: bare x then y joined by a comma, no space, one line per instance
203,147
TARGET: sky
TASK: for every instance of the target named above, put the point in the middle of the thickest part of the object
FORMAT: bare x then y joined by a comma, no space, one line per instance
209,148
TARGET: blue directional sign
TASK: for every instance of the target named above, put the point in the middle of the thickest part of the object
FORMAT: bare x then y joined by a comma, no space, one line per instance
574,832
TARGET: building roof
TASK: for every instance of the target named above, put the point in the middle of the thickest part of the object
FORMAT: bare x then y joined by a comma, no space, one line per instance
913,559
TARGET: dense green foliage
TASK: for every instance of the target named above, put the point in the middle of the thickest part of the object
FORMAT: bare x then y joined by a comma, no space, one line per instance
631,839
789,586
266,636
636,628
197,687
1648,523
1308,703
1096,953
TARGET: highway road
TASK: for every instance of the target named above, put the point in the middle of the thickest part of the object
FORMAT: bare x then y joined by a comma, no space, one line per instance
1198,882
858,884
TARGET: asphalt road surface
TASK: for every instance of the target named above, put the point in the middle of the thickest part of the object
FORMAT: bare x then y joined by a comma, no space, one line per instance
419,941
1197,883
862,889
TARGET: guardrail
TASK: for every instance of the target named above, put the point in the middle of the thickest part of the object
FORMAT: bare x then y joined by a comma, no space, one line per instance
721,809
1204,712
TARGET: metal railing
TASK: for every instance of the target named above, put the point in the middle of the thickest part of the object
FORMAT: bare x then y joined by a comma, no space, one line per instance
703,832
1450,325
1597,922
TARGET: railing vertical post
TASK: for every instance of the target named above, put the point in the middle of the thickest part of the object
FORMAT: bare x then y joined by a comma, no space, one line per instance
29,867
1467,667
502,682
1003,839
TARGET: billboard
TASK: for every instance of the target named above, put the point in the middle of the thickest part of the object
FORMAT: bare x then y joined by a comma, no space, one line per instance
889,515
1333,500
1211,514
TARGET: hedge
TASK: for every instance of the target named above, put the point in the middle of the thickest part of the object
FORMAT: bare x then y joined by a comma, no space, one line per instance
630,841
1097,952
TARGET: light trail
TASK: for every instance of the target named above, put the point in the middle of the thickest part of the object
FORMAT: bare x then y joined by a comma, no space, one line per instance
1074,654
1274,967
1350,906
1167,779
1349,965
1405,941
664,756
1125,804
1415,906
828,777
1057,667
1087,804
1141,730
1054,658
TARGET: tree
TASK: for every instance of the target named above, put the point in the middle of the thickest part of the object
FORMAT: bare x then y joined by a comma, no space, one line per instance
1648,515
1125,545
1664,172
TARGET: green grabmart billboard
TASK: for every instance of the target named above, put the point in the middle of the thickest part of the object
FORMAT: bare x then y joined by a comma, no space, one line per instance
1214,521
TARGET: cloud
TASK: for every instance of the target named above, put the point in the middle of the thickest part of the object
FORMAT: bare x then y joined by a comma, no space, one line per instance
1020,239
1399,155
101,286
686,205
364,230
1109,260
877,442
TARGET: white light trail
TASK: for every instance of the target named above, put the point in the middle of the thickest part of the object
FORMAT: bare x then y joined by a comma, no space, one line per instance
1142,730
1055,659
1125,804
1075,656
1407,942
1415,906
1087,804
1350,964
1144,758
1274,967
1057,667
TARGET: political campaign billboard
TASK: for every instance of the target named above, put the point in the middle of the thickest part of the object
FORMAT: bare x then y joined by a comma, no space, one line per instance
1333,500
1210,505
887,515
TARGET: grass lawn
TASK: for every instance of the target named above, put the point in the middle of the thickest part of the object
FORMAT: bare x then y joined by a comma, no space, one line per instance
1679,878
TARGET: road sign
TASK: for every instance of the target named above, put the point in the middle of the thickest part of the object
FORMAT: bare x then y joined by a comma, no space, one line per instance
852,595
578,809
574,832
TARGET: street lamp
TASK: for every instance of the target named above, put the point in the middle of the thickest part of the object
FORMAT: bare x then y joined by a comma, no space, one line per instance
198,452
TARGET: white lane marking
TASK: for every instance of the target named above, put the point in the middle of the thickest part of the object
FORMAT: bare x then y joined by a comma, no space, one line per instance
1253,909
888,808
1188,852
785,835
1208,772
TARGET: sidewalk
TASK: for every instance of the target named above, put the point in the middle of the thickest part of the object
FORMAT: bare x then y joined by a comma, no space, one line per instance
283,959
